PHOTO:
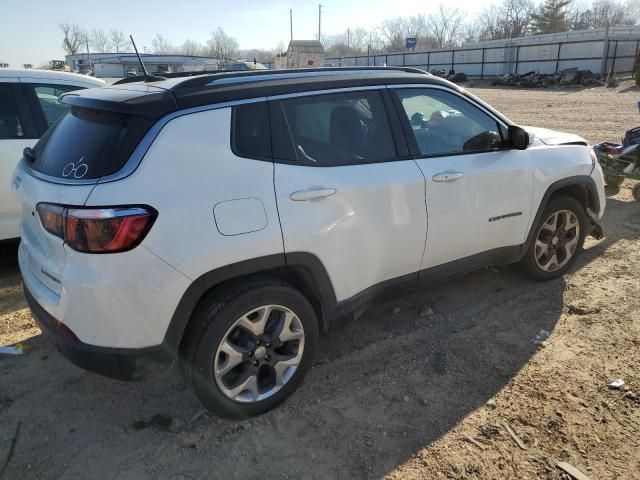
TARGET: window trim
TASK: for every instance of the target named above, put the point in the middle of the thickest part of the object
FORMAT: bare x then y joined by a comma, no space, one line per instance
408,131
232,133
281,137
25,114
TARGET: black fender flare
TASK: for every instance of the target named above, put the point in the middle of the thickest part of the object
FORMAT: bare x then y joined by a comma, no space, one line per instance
302,269
591,201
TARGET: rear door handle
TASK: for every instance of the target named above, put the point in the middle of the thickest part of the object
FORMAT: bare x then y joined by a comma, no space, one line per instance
447,177
312,194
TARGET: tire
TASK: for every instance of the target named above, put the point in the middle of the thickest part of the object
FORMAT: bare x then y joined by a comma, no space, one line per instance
538,262
636,192
236,314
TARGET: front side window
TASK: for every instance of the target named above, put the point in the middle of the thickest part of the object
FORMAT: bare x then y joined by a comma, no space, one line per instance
444,123
47,96
338,129
10,123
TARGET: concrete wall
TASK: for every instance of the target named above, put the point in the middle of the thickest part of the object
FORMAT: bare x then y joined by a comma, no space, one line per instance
542,54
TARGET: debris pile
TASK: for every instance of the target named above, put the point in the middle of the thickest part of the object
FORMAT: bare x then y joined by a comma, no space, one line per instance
569,77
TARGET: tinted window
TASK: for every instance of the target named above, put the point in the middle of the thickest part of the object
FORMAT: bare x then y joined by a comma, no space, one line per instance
444,123
86,144
47,96
339,128
10,123
251,133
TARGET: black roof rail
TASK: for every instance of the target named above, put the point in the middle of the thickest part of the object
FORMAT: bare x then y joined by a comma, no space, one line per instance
139,78
244,73
194,82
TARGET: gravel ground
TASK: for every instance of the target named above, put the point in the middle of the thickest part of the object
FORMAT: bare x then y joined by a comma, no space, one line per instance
397,395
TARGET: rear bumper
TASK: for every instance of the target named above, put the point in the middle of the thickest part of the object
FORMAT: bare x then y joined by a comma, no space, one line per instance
119,363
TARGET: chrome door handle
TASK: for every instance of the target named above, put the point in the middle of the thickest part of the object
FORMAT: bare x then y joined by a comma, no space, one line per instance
447,177
312,194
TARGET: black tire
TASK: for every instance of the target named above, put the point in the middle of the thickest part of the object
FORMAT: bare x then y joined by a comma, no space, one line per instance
215,316
529,265
636,192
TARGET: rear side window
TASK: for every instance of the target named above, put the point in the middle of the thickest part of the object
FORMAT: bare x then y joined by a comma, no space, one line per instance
251,132
339,128
88,144
47,96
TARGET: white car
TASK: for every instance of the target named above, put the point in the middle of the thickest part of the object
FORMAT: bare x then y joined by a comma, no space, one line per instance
221,221
28,106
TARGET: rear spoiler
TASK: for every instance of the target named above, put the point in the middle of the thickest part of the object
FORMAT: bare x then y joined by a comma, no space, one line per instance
149,102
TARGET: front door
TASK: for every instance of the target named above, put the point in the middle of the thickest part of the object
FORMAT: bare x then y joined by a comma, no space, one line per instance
17,131
344,192
478,193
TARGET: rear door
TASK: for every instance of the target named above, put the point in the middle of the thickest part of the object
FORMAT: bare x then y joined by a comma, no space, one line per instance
17,131
346,188
478,193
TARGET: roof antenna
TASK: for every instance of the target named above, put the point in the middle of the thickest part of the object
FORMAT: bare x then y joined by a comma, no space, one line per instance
145,74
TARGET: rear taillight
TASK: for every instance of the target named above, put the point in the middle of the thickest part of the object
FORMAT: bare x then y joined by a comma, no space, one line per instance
97,230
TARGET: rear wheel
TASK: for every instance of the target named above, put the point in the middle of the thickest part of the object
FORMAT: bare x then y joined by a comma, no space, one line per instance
558,239
636,192
250,347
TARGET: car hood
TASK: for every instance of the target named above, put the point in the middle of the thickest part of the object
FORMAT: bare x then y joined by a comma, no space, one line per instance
551,137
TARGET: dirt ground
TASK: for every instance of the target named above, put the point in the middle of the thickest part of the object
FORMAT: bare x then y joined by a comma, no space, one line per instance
393,394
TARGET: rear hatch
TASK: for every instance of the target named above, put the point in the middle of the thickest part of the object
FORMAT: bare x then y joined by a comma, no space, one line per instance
95,139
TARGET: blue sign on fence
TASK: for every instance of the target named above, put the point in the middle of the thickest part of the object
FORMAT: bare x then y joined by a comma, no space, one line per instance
411,42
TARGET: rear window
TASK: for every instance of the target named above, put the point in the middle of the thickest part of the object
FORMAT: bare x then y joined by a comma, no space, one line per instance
87,144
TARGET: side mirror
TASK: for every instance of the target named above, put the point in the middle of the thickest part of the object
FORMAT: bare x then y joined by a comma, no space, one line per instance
518,137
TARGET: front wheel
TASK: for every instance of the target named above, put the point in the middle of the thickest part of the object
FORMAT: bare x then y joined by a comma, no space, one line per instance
250,348
557,241
636,192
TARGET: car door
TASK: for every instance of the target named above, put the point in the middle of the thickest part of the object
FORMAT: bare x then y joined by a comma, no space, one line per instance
17,131
478,193
346,188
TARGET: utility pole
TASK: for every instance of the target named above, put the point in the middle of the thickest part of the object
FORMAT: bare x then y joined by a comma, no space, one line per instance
348,37
319,22
86,39
291,22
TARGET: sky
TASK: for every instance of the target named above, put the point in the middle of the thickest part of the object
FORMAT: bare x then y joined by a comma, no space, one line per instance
29,29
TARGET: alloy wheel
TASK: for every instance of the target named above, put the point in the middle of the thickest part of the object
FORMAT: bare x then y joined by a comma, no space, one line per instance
557,240
259,354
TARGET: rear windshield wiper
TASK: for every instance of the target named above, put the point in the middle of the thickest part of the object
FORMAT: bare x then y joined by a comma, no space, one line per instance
29,154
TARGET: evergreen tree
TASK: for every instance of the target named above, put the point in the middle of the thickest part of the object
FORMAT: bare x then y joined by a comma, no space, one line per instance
551,17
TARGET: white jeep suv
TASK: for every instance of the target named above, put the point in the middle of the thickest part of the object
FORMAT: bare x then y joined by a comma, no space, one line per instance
221,221
28,106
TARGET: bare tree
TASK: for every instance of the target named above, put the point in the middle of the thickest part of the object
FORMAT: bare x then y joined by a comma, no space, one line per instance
612,12
74,37
99,41
446,25
221,45
416,26
118,43
191,47
511,18
392,32
257,54
359,38
160,45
